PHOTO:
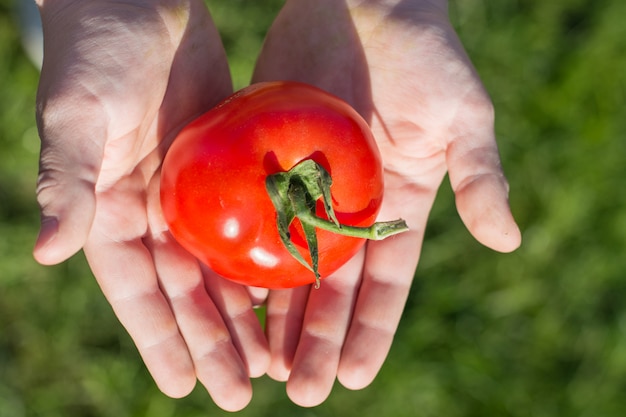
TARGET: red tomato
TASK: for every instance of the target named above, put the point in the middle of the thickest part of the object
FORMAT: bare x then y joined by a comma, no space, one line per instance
213,191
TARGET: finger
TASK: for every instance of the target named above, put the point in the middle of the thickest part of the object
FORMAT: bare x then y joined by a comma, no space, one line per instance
235,305
284,315
480,188
205,329
72,128
128,280
382,297
328,314
258,296
68,169
387,275
218,364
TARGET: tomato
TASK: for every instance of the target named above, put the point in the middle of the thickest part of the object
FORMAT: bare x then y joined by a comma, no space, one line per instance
213,183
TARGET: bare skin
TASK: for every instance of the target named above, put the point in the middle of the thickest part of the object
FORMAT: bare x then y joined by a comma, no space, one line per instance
118,80
401,65
121,77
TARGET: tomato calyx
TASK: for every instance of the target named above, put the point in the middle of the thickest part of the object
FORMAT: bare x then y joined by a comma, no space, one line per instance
295,194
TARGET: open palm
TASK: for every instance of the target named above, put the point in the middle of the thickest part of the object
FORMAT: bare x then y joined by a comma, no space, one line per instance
403,68
118,80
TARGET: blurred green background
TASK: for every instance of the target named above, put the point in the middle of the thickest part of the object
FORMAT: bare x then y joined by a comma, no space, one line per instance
540,332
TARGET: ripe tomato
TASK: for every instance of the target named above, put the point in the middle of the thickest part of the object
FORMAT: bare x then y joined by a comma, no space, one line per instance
213,185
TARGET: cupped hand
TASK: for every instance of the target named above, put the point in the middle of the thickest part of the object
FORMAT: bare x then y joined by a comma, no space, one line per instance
401,65
119,79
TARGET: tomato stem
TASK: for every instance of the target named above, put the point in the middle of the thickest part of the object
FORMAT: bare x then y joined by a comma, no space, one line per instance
377,231
295,194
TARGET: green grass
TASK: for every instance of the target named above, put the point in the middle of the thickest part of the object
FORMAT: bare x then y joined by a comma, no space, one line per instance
540,332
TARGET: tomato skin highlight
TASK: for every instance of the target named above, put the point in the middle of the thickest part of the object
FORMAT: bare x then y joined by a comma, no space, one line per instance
213,192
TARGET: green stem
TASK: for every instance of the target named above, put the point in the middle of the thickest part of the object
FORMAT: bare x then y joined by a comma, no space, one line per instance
295,194
377,231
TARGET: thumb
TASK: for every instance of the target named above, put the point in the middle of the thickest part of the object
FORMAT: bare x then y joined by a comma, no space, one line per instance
481,191
68,169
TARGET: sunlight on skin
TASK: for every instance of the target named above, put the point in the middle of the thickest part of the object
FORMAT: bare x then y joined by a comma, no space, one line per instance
110,99
401,65
119,79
